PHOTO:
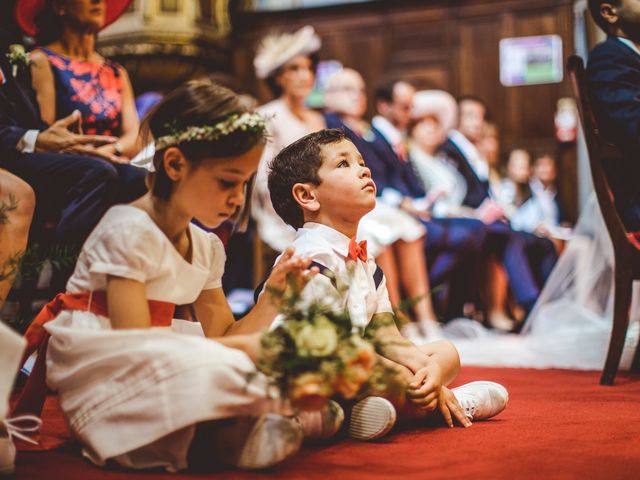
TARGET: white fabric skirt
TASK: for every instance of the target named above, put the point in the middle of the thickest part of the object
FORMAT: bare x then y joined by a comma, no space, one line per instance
385,225
123,390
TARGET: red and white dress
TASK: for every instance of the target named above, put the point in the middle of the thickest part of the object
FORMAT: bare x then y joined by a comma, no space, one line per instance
135,395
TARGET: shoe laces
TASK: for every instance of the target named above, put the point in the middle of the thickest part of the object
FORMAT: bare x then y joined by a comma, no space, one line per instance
19,427
470,405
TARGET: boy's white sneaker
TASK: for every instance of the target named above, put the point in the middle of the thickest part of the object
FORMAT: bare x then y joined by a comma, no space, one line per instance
482,400
322,424
371,418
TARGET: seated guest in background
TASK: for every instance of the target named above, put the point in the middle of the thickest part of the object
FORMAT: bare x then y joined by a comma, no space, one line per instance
489,148
395,236
527,259
433,115
287,63
75,187
513,190
613,79
68,74
451,245
17,203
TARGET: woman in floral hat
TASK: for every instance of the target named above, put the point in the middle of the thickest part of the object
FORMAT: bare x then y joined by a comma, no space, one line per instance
68,73
287,62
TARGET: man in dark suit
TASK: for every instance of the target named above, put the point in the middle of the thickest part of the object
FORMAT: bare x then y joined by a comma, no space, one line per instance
527,259
613,78
74,184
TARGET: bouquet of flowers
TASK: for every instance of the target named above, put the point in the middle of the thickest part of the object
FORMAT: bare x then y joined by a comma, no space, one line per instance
315,353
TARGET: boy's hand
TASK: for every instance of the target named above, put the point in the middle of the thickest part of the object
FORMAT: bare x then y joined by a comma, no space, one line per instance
424,389
450,408
290,263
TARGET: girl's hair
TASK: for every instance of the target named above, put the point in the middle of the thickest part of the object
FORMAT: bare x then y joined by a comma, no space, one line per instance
198,103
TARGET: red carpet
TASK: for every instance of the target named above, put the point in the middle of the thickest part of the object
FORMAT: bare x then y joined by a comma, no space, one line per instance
559,424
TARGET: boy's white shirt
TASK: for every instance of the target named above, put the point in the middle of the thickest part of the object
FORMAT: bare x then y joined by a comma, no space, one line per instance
330,248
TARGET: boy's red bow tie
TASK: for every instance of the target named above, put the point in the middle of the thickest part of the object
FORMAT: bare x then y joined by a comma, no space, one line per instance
357,250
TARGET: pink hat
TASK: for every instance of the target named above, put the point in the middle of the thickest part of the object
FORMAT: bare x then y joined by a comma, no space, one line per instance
27,10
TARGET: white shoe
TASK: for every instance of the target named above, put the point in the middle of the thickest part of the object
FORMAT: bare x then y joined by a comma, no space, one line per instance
322,424
273,439
482,400
10,428
501,322
412,332
371,418
431,330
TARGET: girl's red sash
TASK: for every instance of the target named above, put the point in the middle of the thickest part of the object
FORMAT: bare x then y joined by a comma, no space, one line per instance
34,392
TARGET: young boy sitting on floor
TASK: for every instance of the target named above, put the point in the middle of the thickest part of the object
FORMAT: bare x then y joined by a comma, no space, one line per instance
321,186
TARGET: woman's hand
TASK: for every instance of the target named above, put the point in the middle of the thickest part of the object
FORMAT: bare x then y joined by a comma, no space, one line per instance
290,264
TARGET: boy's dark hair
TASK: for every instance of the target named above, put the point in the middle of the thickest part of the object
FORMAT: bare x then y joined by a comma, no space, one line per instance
298,163
594,8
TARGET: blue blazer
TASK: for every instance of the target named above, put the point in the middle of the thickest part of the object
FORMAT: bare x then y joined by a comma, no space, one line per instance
477,190
613,79
18,111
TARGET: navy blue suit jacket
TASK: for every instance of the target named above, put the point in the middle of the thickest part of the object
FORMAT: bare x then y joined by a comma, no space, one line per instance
613,79
18,112
477,190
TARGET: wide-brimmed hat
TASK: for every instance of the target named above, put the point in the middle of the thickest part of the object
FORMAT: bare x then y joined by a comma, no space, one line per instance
27,11
276,50
436,103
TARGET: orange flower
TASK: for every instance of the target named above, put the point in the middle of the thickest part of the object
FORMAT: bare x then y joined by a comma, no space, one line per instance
309,391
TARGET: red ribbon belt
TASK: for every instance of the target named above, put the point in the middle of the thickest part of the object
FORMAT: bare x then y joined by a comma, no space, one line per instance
34,392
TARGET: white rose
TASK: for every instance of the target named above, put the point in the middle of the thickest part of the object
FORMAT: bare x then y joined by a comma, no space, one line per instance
317,339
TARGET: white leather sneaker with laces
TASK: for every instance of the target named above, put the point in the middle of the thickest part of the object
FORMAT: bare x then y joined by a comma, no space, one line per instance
482,400
371,418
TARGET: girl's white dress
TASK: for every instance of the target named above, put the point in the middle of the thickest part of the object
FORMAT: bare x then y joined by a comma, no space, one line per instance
136,395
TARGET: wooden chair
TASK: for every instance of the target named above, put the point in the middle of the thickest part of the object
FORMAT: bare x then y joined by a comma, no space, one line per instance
625,246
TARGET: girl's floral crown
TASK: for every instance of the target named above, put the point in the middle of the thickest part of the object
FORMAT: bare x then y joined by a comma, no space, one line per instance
246,122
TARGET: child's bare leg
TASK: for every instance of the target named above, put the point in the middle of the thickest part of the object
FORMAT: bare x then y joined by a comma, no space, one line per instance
387,262
445,354
413,276
498,286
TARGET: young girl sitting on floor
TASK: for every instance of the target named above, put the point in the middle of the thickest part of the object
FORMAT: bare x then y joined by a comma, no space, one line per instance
132,390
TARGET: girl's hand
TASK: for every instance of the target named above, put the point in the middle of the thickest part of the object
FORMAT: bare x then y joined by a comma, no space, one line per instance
290,263
424,390
450,408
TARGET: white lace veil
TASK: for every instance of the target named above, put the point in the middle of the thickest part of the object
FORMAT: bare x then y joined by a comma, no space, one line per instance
570,325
